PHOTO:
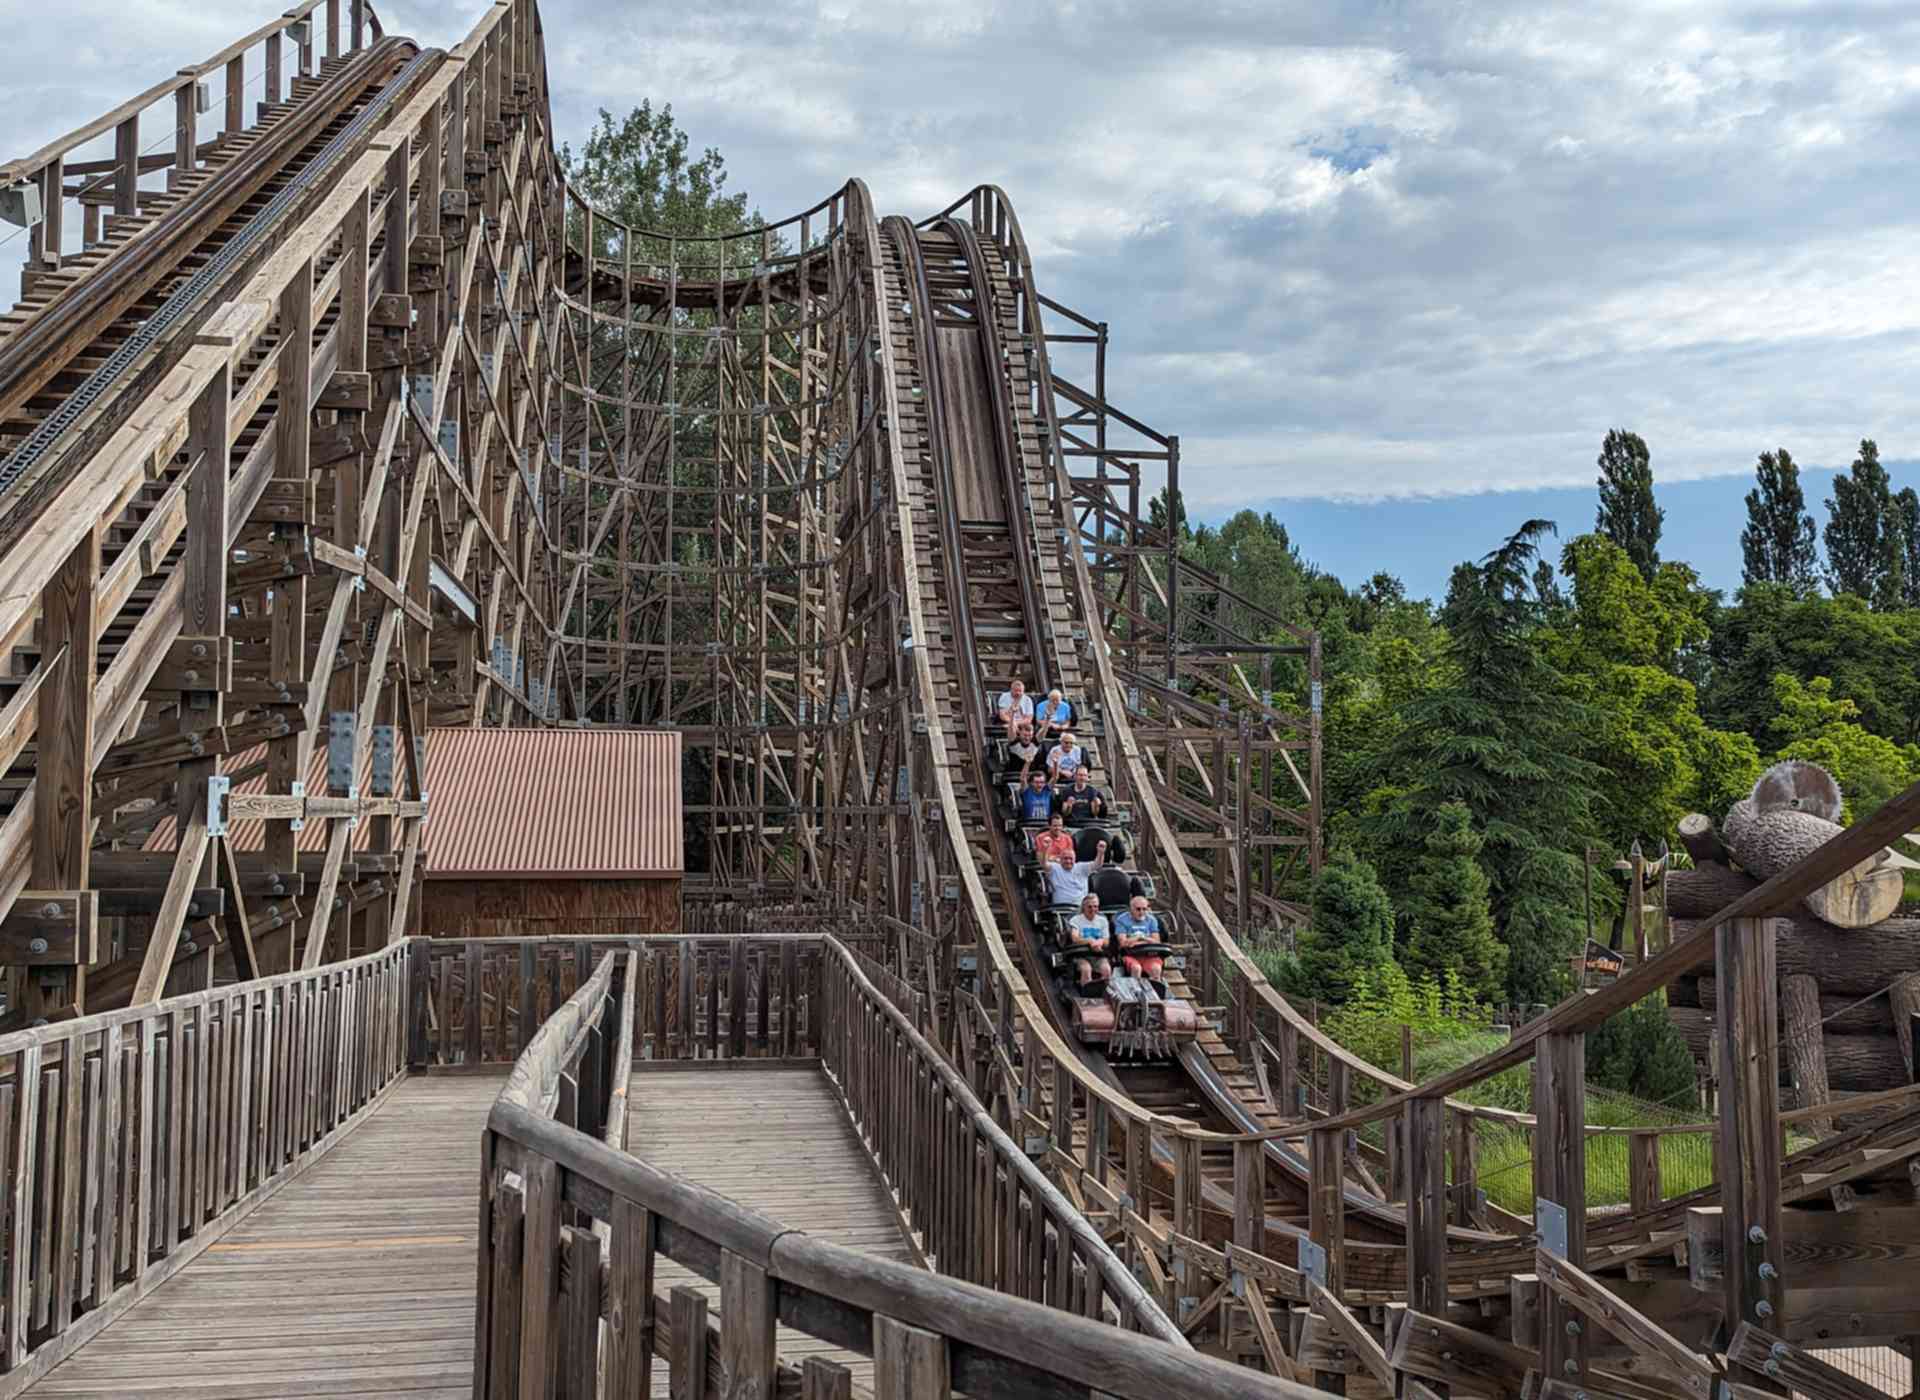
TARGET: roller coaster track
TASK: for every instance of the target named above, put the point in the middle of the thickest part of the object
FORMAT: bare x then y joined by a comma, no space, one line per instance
386,418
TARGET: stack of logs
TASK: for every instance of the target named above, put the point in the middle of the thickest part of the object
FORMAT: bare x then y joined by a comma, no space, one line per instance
1849,969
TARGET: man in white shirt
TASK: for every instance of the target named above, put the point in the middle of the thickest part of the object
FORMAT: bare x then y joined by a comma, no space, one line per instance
1067,878
1064,758
1014,703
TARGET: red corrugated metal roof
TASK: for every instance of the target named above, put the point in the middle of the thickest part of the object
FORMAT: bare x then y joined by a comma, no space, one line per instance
544,803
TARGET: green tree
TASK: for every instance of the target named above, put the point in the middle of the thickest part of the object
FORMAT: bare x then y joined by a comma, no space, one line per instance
1777,545
1628,515
641,172
1859,547
1641,1052
1621,645
1352,933
1811,722
1905,517
1872,659
1502,733
1448,912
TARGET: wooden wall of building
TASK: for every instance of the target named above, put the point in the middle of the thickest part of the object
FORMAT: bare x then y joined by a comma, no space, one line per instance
461,908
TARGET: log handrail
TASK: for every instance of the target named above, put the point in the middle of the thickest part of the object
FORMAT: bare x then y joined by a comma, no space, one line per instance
547,1186
878,1058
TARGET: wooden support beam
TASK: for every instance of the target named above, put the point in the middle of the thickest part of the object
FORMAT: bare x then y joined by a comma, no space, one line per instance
1593,1305
1778,1362
1560,1178
172,917
1424,1142
1747,1060
52,928
63,769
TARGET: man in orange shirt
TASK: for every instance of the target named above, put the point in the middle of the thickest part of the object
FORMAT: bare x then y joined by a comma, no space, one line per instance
1055,842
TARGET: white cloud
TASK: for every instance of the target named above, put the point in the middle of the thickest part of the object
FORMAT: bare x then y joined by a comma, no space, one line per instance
1397,248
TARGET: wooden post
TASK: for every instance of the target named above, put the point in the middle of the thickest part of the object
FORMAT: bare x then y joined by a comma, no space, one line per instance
1747,1058
747,1301
1327,1220
1249,1196
1560,1178
1424,1155
909,1362
126,166
186,120
1643,1170
1806,1047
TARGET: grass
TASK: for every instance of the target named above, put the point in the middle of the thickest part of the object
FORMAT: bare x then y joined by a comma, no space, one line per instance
1506,1154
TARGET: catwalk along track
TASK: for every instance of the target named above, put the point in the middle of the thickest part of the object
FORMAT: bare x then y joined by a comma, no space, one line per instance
359,415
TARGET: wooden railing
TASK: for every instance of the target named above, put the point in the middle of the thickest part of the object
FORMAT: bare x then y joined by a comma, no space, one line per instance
112,182
567,1303
479,1001
135,1138
984,1212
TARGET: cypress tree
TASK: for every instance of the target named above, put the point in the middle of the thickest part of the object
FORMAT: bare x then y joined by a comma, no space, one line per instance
1448,913
1352,932
1777,544
1857,520
1628,515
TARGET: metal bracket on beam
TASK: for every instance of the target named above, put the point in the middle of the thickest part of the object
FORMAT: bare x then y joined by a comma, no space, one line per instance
1550,1223
20,204
218,786
339,750
1313,1261
382,780
296,788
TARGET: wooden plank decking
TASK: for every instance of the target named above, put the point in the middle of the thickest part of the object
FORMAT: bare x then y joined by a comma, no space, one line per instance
355,1280
776,1140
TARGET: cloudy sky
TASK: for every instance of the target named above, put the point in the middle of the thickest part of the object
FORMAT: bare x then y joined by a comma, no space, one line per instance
1350,252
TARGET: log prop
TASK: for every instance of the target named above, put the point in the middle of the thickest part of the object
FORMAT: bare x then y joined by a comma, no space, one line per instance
1855,1064
1765,843
1847,962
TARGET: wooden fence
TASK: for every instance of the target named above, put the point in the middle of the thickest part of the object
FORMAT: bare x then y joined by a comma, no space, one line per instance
567,1303
477,1002
984,1211
135,1138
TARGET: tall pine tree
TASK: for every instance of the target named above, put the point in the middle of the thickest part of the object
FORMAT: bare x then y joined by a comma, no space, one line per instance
1504,737
1450,920
1628,515
1778,543
1857,534
1905,517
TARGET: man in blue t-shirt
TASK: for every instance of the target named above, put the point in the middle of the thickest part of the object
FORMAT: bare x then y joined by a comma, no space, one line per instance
1136,927
1036,799
1088,929
1053,714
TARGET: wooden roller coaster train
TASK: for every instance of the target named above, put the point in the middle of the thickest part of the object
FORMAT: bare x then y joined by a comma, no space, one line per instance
336,415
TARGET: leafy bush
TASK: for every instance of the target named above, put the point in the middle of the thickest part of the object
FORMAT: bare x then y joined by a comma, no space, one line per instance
1382,1001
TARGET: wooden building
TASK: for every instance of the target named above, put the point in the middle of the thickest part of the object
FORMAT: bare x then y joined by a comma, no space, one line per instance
552,831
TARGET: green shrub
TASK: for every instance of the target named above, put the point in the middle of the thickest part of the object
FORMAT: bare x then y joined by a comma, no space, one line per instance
1351,937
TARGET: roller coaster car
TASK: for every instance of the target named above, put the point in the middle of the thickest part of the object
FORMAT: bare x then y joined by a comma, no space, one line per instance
1131,1016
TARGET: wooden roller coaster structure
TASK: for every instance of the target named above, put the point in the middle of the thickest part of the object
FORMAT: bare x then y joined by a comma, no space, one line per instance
355,417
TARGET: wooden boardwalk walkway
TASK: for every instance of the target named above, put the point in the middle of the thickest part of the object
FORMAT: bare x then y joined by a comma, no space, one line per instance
776,1140
356,1279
